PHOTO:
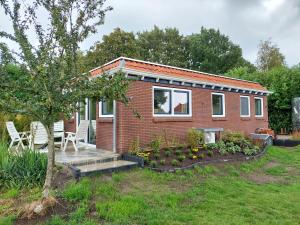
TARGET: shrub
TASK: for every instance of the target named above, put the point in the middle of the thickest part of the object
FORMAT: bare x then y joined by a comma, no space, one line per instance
153,164
156,155
175,162
222,148
155,144
201,156
251,151
212,146
168,153
134,147
232,148
27,169
162,162
210,153
78,191
181,158
195,138
178,152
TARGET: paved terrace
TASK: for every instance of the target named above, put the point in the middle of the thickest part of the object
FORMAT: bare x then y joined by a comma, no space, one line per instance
84,155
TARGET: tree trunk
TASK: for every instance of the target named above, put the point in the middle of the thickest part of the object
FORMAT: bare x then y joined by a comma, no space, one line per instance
51,161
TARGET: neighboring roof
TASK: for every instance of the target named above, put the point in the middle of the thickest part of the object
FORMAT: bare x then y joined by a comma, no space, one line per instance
134,66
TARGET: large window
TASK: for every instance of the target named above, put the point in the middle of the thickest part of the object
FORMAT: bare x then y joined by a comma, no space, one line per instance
171,102
218,105
106,108
258,107
245,106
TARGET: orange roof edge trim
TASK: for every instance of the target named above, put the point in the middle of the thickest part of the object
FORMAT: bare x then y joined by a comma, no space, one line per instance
222,80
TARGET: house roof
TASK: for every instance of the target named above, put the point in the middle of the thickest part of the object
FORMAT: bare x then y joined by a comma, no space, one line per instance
144,68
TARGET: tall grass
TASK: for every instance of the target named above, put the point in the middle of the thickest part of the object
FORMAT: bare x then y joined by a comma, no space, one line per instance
27,169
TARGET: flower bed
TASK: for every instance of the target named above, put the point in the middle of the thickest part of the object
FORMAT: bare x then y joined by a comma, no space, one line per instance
234,146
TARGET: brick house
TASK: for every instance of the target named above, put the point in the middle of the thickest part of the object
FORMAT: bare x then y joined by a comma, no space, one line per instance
172,100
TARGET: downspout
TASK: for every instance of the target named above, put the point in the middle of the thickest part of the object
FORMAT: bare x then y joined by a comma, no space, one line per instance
115,127
121,66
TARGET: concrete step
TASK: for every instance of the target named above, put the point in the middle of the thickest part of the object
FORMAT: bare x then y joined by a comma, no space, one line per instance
96,160
105,167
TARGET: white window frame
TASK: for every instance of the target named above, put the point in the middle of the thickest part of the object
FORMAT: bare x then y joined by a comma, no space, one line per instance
223,103
100,111
248,97
262,107
172,101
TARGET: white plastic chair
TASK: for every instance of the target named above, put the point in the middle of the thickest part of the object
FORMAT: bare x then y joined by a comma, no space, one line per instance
39,135
15,136
59,132
80,135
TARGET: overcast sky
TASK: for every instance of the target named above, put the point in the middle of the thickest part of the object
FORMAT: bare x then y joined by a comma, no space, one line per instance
245,22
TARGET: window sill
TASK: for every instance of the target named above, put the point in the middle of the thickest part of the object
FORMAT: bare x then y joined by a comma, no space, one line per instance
172,119
219,118
245,118
259,118
105,120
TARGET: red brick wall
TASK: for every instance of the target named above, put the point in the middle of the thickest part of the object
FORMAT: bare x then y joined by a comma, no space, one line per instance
130,127
104,132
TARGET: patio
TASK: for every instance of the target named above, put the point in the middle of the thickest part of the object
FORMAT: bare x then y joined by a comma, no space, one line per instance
84,155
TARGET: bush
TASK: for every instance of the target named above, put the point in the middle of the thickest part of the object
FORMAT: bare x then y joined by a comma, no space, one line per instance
168,153
222,148
27,169
178,152
156,155
210,153
155,144
175,162
251,151
134,147
153,164
201,156
162,162
232,148
181,158
195,138
212,146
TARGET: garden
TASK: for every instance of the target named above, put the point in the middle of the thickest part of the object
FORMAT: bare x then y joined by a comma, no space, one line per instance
260,191
164,155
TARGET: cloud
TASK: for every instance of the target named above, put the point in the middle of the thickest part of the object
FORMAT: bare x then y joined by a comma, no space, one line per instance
245,22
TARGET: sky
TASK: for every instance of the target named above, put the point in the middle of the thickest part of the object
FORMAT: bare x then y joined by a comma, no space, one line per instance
246,22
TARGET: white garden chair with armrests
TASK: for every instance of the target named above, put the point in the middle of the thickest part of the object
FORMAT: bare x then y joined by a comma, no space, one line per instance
59,132
15,136
80,135
38,136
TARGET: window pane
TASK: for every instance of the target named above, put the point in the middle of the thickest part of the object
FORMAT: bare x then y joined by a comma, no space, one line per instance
258,107
162,101
218,105
244,106
82,111
107,107
181,102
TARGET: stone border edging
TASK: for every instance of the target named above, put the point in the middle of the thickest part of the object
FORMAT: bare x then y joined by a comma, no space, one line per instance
286,143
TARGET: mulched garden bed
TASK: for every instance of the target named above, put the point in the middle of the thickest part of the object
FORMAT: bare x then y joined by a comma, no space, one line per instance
203,158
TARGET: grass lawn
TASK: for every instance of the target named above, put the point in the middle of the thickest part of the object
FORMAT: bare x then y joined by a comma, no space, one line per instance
264,191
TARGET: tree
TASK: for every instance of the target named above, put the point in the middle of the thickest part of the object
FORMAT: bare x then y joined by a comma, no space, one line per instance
210,51
117,43
269,56
51,84
163,46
